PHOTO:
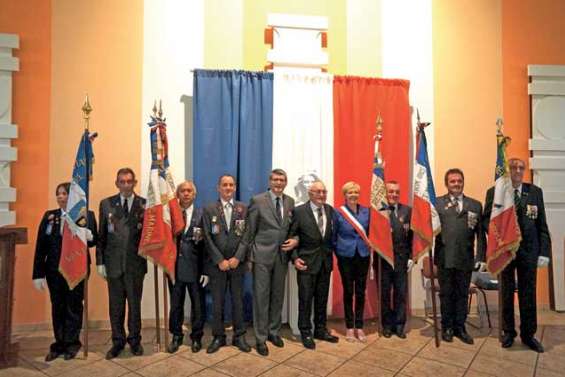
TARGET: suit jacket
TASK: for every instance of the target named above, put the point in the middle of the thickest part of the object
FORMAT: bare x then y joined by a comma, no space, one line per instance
265,232
119,238
49,243
455,245
402,236
346,241
315,250
531,219
190,255
220,242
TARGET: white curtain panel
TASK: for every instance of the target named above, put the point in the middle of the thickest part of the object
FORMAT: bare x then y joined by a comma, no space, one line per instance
303,147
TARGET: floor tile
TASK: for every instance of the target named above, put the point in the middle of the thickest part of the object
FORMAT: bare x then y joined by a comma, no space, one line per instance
354,368
244,365
500,367
58,366
131,362
285,371
318,363
384,358
20,369
518,353
448,355
552,361
175,366
102,368
540,372
209,373
418,367
343,348
279,355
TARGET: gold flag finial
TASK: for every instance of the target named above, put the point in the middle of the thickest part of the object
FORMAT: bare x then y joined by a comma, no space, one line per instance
154,109
86,110
379,134
160,113
499,124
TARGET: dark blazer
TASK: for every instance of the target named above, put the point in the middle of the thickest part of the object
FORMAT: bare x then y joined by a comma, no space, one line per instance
345,238
315,250
49,243
265,232
119,238
531,219
220,243
455,245
190,253
402,236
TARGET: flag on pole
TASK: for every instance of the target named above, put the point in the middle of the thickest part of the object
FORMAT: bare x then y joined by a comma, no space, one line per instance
74,249
163,217
380,231
425,220
503,230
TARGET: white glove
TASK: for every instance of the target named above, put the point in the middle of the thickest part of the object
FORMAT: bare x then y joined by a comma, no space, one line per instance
39,284
204,279
88,235
543,261
409,265
481,266
101,269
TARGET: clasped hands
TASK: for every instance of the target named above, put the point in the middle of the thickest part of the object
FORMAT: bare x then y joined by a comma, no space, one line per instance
228,264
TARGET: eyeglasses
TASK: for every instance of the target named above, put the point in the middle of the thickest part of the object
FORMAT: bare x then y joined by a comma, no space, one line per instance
319,192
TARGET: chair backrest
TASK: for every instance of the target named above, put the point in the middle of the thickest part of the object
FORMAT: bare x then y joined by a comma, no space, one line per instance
426,271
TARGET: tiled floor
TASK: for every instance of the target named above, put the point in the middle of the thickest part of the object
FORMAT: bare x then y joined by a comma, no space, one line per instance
415,356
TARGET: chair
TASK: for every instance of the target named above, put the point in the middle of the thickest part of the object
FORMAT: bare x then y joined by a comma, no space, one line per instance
475,288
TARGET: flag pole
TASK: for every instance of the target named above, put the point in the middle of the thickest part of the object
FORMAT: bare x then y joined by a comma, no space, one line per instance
379,137
499,124
166,308
86,109
421,126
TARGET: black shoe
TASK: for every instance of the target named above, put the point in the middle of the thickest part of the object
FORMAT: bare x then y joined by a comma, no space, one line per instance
114,352
534,344
276,340
387,332
507,340
196,345
69,355
399,331
447,335
241,344
52,355
136,349
216,344
262,349
175,344
326,336
308,342
463,336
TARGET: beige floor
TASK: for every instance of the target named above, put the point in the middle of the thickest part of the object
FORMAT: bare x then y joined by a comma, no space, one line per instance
415,356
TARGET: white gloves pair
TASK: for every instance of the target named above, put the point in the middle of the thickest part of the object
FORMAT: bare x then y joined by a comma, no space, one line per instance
542,262
101,269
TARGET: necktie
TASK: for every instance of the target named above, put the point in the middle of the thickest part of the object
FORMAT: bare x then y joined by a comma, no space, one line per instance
184,218
126,207
516,199
278,208
320,221
227,214
456,204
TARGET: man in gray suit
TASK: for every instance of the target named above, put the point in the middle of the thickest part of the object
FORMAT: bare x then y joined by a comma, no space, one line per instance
121,222
454,254
266,240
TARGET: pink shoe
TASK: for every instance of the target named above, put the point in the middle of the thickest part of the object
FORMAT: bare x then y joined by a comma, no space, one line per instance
349,335
361,336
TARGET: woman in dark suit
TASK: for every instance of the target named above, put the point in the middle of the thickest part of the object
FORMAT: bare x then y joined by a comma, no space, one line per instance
352,258
66,304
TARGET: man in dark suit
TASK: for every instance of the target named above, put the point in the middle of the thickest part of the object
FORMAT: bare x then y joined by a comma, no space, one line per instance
533,253
223,224
267,244
190,255
66,304
121,223
396,278
454,254
312,224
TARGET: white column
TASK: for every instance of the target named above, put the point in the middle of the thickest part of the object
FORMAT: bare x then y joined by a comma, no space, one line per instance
8,131
547,91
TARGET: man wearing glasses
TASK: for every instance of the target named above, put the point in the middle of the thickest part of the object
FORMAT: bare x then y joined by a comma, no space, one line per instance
312,224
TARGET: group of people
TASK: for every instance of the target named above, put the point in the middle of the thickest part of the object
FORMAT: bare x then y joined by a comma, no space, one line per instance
223,240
